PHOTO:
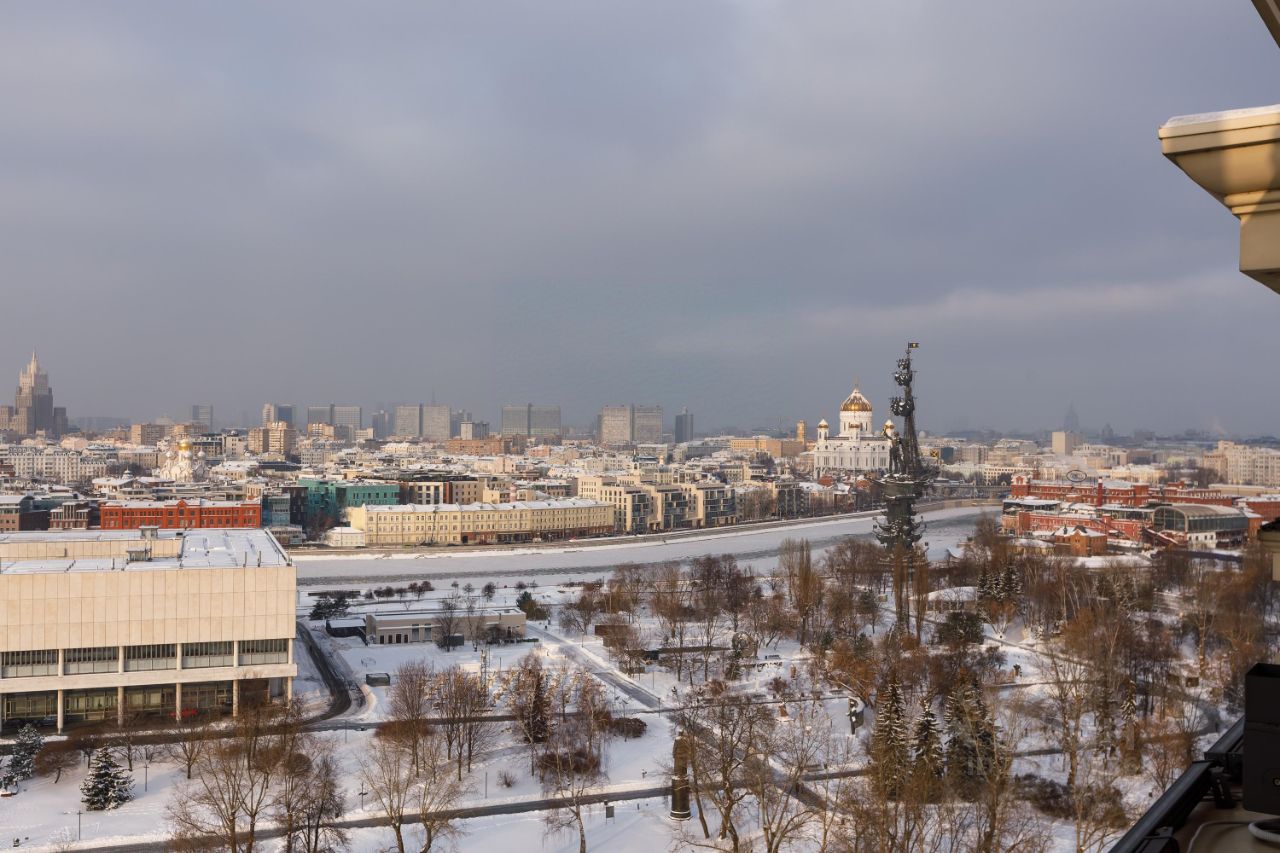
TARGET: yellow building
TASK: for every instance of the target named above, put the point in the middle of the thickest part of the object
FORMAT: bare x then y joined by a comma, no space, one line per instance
481,523
111,625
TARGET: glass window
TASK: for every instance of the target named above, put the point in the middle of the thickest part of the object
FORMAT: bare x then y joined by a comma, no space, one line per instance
196,655
29,663
263,651
91,659
152,656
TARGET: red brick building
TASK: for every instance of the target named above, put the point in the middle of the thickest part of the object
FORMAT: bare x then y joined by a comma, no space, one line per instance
1099,492
167,515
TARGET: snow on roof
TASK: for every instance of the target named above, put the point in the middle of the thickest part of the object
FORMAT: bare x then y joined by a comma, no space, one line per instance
955,593
201,549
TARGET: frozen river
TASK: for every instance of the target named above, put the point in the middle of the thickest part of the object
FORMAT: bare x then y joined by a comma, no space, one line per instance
758,548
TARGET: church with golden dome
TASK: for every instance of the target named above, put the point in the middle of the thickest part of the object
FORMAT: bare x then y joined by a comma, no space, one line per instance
857,447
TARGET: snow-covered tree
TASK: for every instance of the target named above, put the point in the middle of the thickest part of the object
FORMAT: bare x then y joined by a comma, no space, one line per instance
889,742
22,760
107,785
926,745
971,738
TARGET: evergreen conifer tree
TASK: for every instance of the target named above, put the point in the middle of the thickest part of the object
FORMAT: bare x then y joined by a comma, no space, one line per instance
889,740
22,761
1010,583
986,589
107,785
968,740
538,724
926,747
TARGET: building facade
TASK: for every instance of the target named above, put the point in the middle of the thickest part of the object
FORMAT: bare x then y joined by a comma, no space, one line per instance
481,523
111,627
180,514
531,421
276,437
683,427
33,412
273,412
857,447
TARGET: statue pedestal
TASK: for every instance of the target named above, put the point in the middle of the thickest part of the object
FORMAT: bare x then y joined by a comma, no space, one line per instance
680,798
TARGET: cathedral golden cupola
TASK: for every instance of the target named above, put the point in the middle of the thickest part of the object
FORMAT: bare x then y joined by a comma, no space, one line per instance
856,402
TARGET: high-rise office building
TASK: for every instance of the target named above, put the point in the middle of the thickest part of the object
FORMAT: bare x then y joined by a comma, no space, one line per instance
277,413
471,430
615,425
348,416
630,425
380,422
456,420
33,411
515,419
407,422
202,414
347,422
684,427
646,424
320,415
544,421
529,420
435,422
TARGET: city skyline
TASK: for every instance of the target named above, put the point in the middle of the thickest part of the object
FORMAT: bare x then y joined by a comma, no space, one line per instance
821,216
248,417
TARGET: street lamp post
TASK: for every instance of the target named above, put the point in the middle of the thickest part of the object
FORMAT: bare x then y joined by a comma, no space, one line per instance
78,813
363,794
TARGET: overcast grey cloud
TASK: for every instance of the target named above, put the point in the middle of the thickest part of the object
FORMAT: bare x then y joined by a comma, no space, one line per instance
734,206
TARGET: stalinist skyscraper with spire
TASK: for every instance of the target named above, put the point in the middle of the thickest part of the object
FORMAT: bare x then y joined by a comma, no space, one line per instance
33,412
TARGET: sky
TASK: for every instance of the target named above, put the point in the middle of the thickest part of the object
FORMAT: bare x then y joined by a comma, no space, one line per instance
739,207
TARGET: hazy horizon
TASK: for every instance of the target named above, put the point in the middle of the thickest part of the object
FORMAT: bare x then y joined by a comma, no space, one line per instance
738,208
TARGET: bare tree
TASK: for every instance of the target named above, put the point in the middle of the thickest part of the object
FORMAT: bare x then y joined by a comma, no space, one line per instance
306,799
387,770
448,618
438,795
230,791
55,757
775,774
318,828
526,689
463,700
728,730
187,749
409,707
573,761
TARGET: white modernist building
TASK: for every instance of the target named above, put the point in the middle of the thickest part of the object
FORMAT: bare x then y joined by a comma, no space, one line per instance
110,626
858,447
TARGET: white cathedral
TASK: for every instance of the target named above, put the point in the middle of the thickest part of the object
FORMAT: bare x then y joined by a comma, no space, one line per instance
858,446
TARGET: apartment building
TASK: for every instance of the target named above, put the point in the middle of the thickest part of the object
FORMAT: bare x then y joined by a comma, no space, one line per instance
276,437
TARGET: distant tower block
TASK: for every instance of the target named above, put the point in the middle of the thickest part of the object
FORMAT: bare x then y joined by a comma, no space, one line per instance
800,431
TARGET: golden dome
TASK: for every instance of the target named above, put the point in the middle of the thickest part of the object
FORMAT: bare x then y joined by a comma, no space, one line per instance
822,424
184,444
855,402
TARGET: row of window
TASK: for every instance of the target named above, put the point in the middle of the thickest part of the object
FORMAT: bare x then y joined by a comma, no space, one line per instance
24,664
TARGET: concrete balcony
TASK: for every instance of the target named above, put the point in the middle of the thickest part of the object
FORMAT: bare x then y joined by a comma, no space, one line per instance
1235,157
